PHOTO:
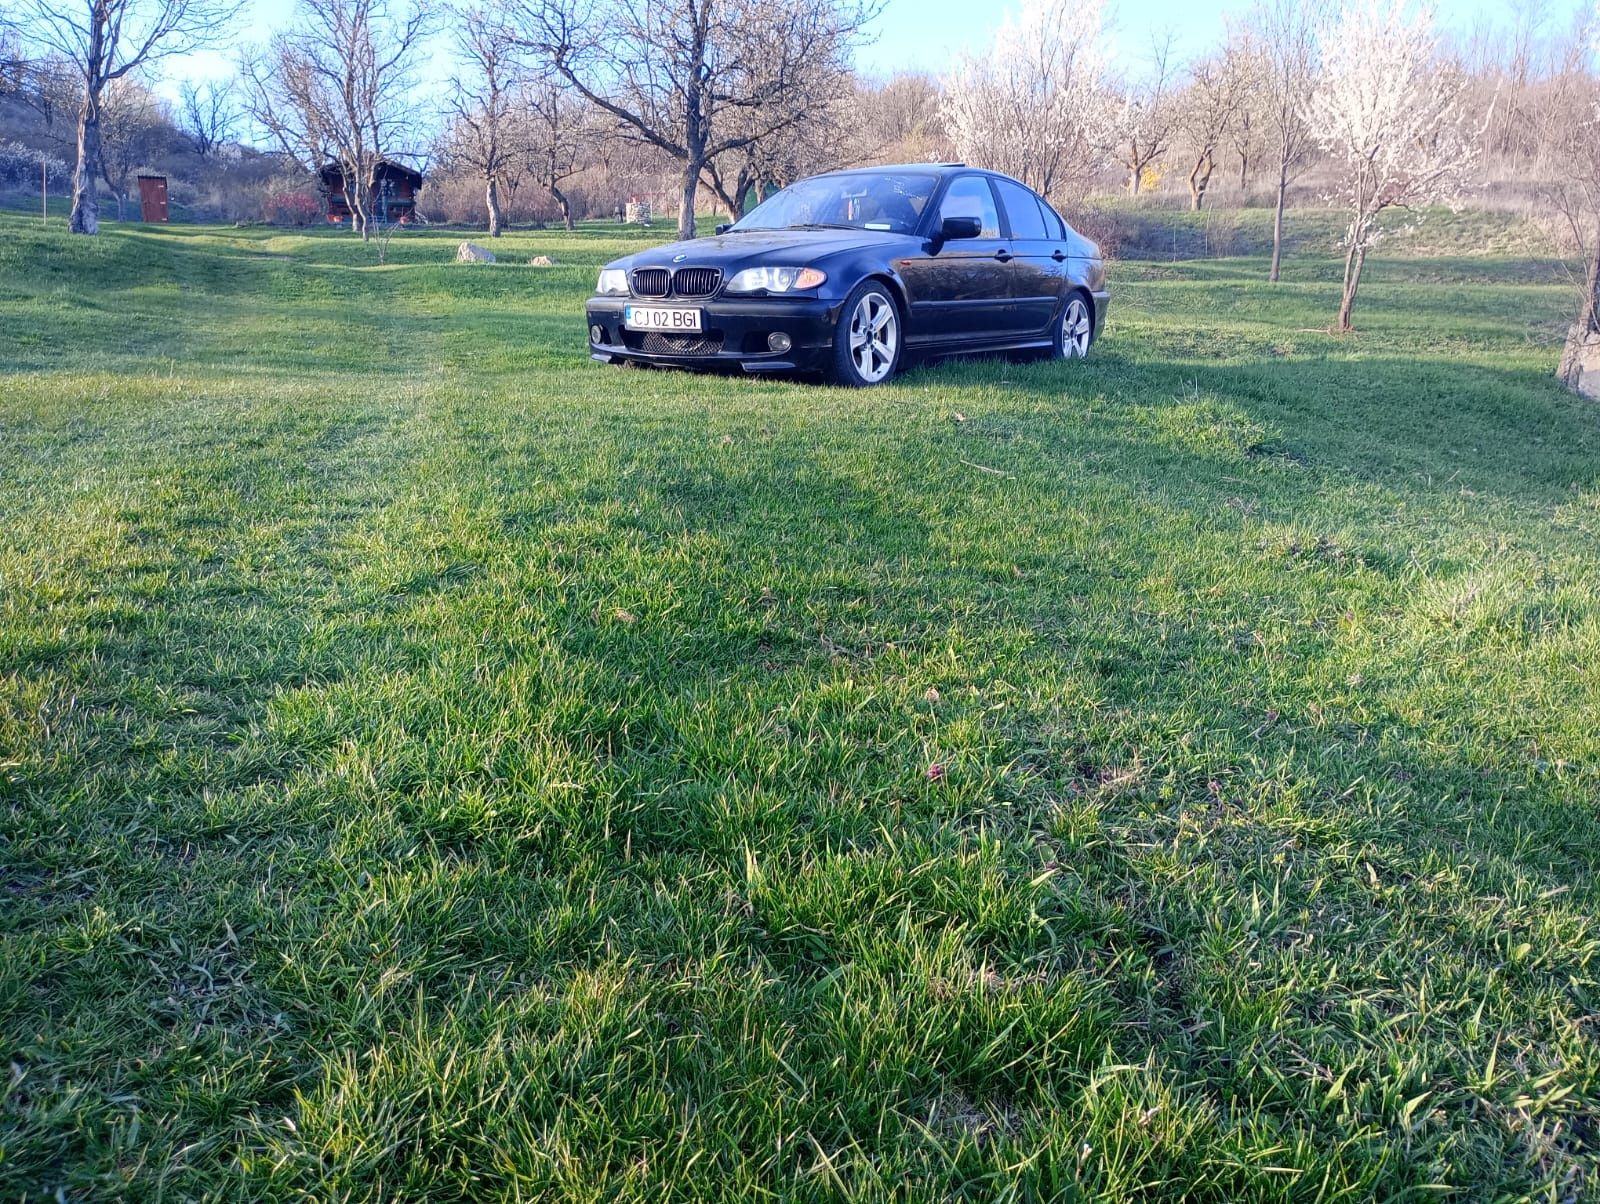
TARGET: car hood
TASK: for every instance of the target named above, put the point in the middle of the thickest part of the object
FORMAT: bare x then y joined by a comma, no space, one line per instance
745,248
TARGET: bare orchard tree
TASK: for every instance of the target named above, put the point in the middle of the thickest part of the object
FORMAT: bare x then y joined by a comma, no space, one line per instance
681,75
1387,109
105,40
1247,133
1143,123
903,111
1573,141
483,100
207,116
132,129
13,67
795,135
556,126
1209,107
754,171
1288,33
1032,104
336,87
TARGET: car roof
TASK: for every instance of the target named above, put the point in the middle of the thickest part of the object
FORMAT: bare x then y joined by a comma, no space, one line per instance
934,169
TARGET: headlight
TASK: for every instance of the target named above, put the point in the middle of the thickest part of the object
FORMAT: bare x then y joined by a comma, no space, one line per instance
775,280
612,280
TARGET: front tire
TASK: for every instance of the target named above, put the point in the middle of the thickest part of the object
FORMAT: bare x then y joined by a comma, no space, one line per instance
1075,331
867,340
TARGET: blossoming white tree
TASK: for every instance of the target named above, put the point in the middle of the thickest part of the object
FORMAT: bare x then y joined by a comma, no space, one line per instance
1388,111
1031,105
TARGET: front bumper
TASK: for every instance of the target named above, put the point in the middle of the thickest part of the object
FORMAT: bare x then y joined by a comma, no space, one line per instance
733,334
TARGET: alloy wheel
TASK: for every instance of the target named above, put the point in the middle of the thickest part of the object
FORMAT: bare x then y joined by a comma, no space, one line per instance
1077,329
874,337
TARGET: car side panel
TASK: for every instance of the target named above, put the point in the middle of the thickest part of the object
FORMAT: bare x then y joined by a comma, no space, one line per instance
960,292
1038,283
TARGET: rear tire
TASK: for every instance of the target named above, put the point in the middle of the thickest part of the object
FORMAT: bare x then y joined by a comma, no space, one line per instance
868,340
1075,330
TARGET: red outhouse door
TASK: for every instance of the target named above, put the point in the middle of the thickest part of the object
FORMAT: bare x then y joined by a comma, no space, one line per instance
153,198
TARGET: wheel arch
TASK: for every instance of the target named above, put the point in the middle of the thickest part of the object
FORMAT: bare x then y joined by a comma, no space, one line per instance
1075,288
897,292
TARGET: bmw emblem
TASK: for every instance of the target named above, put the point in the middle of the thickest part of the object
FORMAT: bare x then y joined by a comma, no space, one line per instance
679,258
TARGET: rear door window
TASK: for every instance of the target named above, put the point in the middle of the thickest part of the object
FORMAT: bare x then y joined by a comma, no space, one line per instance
1022,210
1054,226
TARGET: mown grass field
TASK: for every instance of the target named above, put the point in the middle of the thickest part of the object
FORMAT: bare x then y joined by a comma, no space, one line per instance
433,766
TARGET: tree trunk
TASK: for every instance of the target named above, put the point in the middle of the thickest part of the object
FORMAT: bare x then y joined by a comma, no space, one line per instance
85,195
1199,181
1244,176
1133,180
1353,263
691,183
355,202
491,198
714,178
566,206
1277,228
1589,319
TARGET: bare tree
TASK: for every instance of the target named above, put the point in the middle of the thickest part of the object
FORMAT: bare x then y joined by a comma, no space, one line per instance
797,134
1143,125
13,67
1388,111
1209,108
105,40
1032,104
1573,140
555,129
207,116
336,88
767,163
680,74
132,127
482,101
1288,30
1247,132
903,114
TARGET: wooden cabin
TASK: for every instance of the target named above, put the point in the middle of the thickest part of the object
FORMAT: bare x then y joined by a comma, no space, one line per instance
393,192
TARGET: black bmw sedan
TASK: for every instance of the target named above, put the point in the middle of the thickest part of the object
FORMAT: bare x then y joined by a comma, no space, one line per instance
851,273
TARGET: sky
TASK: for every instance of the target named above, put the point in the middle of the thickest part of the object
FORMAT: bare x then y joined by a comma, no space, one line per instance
929,35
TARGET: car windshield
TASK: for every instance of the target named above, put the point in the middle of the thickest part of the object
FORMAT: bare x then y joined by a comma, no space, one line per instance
865,200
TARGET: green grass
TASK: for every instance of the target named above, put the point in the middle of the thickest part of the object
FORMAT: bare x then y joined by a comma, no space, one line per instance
433,766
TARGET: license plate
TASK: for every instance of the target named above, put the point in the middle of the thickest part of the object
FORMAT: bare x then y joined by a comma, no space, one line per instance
661,317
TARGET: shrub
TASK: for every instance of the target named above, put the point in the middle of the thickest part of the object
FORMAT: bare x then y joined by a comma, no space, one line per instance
300,208
19,167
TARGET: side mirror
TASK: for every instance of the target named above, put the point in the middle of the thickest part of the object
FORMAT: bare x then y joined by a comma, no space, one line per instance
724,227
953,228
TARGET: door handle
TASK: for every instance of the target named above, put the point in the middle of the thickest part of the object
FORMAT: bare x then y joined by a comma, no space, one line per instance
1058,256
1003,255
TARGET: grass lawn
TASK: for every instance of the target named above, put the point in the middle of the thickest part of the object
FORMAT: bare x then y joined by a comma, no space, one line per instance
434,766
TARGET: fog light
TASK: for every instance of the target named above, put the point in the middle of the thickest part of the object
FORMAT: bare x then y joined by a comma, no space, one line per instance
779,341
597,333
